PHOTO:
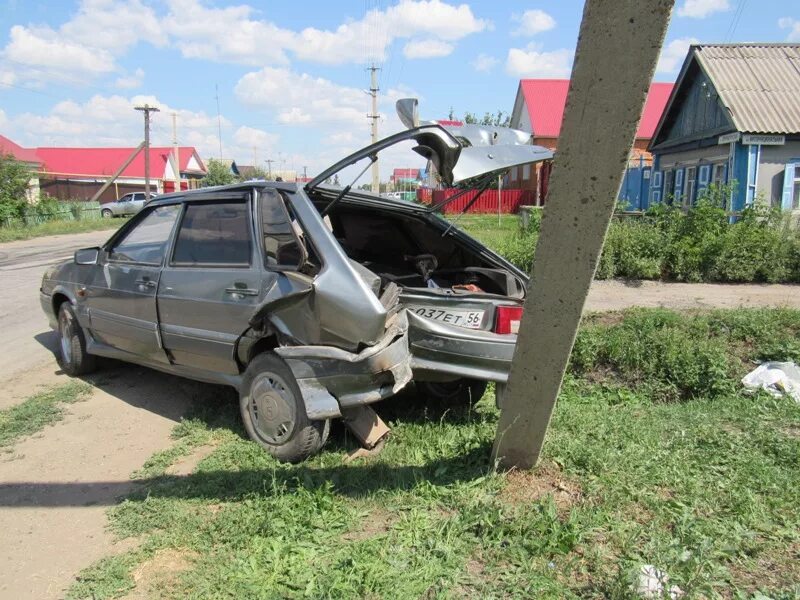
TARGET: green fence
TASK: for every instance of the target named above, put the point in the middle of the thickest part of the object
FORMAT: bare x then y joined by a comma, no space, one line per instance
65,211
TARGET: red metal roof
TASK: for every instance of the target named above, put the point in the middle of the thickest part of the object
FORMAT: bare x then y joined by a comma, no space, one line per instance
546,98
450,123
104,161
27,155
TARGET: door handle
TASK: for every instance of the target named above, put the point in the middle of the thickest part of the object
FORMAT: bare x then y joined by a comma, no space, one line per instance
241,292
146,283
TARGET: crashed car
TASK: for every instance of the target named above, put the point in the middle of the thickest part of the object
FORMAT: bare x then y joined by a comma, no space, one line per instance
312,301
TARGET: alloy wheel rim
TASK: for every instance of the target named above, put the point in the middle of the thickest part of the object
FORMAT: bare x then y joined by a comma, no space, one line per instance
272,409
65,341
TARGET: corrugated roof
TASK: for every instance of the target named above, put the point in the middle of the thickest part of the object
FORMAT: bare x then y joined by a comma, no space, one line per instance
758,83
104,161
546,99
27,155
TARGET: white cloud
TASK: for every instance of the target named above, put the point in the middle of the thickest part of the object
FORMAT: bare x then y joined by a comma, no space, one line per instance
427,49
232,34
484,63
700,9
302,99
114,25
131,81
43,46
533,21
672,54
533,63
793,25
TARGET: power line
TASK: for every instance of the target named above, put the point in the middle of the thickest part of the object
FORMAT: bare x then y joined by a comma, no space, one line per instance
737,15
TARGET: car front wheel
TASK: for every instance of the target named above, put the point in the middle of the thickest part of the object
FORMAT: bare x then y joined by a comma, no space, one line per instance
274,413
72,356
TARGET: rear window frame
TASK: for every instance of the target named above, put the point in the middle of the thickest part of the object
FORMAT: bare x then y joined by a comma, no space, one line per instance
187,203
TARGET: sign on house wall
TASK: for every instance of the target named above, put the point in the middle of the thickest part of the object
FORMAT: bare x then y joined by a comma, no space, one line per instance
763,140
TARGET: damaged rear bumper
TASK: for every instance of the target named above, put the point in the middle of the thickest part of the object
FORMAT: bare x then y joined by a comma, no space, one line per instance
332,380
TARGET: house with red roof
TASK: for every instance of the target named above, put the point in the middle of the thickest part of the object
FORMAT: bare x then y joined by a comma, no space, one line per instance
77,173
539,108
27,157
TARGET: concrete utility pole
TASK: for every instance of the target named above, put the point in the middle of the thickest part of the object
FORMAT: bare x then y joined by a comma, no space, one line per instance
147,109
269,162
305,174
176,157
618,46
219,120
374,116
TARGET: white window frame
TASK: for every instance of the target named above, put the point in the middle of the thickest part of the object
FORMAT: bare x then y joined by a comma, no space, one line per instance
526,172
691,181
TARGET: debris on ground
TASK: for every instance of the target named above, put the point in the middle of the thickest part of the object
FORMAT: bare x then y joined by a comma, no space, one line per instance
653,582
776,378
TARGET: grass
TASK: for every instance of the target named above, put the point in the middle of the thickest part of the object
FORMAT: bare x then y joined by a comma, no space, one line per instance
486,229
34,414
9,234
701,483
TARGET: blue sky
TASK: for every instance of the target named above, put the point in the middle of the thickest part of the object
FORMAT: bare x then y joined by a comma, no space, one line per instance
291,75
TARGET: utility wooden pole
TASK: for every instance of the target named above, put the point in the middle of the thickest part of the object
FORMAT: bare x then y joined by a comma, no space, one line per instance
374,116
618,47
147,109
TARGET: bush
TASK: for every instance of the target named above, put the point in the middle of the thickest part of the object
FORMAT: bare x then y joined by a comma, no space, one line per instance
699,245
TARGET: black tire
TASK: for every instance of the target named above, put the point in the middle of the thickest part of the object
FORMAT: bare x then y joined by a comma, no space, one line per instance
461,392
274,413
71,355
106,213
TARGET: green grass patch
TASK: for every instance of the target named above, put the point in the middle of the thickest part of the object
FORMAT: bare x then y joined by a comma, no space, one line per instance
12,233
35,413
704,488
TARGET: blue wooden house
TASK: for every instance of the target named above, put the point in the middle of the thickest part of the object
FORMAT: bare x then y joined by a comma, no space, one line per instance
732,118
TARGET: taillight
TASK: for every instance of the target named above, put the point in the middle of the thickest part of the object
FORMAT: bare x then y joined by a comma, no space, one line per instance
507,319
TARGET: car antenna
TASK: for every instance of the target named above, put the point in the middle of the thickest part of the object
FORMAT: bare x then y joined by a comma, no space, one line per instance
372,159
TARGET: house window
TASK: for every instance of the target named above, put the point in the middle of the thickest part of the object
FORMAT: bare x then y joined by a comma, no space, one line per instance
678,184
514,173
526,172
796,192
718,174
691,175
656,179
669,185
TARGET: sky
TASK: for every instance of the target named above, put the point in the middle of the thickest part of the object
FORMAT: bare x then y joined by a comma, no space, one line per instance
289,79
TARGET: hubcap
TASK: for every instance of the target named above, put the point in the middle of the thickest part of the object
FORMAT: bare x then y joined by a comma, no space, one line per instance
66,337
272,409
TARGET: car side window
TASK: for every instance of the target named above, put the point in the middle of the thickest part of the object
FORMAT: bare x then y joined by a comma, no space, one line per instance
146,241
214,234
282,245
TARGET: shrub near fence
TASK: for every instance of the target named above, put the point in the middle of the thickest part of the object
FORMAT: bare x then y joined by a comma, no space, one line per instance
698,245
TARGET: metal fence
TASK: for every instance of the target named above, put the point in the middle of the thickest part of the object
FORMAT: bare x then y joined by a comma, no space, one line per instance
508,202
68,213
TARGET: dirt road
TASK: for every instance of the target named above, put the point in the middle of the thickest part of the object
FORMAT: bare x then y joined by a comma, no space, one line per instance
55,486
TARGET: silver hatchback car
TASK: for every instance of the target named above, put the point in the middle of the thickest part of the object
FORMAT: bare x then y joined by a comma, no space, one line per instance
311,301
128,205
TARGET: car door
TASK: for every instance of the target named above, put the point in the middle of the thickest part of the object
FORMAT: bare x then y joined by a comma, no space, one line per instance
121,296
137,203
211,283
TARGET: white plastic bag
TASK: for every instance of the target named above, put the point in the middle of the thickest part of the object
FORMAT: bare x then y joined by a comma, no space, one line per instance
777,378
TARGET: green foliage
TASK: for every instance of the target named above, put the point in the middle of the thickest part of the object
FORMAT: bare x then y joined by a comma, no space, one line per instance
14,177
668,243
498,119
217,173
38,411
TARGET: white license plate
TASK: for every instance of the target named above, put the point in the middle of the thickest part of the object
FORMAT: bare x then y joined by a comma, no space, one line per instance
471,319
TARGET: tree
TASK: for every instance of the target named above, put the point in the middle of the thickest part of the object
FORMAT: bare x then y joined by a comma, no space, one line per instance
14,177
498,119
257,173
218,173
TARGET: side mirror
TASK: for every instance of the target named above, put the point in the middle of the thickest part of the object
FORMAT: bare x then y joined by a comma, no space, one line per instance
87,256
408,111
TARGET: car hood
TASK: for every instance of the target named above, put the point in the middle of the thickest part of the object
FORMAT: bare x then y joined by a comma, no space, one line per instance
457,153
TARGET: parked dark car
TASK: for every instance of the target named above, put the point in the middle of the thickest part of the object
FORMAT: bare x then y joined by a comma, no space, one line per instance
308,300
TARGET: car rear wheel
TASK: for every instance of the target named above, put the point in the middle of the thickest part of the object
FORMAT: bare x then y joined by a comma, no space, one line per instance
72,356
274,413
106,213
453,393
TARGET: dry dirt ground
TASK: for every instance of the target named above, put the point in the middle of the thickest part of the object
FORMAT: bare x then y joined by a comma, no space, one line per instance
56,485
